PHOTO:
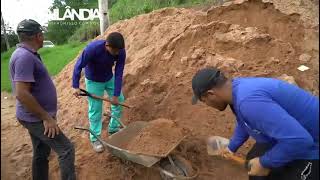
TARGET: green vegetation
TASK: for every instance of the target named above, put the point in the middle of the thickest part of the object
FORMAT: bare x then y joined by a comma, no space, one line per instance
54,58
125,9
86,32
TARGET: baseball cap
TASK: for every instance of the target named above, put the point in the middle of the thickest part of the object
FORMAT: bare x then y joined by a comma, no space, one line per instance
204,80
29,26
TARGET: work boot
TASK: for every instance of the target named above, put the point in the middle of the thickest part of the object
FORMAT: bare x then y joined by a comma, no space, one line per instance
97,146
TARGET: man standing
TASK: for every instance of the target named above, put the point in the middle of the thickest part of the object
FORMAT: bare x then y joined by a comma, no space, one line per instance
98,58
282,118
36,106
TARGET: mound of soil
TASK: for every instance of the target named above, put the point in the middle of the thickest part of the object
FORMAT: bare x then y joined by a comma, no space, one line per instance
269,38
157,138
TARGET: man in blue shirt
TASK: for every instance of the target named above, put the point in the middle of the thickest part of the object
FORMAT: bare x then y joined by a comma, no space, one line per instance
98,58
282,118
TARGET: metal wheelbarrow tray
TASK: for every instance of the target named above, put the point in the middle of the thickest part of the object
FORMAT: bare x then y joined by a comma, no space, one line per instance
125,135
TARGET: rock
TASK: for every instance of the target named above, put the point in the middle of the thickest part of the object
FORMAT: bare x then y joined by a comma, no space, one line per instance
184,60
197,53
179,74
274,60
304,57
303,68
289,79
146,81
167,56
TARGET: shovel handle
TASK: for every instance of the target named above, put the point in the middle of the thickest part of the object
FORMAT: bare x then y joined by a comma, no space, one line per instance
86,93
108,100
236,159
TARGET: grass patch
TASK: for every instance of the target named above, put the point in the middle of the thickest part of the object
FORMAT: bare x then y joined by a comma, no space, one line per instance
54,59
125,9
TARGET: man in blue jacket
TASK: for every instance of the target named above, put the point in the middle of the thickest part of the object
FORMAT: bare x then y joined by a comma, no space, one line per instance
282,118
98,58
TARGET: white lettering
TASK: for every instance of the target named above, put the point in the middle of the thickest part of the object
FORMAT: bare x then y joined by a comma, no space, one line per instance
95,14
82,14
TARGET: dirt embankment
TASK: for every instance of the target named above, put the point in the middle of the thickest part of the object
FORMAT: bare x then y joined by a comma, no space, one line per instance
165,48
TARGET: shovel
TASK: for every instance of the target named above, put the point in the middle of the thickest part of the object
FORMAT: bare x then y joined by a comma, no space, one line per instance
86,93
217,143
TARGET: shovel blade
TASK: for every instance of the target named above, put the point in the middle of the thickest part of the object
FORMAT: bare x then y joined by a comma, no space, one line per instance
215,144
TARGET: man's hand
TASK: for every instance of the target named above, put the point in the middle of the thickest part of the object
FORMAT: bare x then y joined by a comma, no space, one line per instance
224,152
115,100
76,92
51,128
256,169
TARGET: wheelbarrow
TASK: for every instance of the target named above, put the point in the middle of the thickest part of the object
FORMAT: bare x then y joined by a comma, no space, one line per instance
170,167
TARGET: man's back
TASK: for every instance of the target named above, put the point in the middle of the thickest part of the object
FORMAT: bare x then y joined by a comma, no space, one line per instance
298,103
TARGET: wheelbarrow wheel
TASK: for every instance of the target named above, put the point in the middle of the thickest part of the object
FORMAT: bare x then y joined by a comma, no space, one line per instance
183,168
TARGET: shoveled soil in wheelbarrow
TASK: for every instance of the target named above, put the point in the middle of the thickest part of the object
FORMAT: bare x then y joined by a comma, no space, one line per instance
268,38
157,138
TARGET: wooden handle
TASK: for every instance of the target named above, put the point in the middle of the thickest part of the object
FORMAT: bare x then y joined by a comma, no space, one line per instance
236,159
108,100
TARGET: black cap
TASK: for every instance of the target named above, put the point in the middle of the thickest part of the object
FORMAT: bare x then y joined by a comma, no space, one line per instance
204,80
29,26
116,40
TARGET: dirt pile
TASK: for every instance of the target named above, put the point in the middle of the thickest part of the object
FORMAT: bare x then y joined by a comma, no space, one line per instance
166,47
164,50
157,138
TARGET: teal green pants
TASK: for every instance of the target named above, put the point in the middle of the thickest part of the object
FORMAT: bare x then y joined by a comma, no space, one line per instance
95,107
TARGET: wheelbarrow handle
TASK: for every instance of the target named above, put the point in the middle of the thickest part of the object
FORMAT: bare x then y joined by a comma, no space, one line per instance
87,129
98,138
110,116
86,93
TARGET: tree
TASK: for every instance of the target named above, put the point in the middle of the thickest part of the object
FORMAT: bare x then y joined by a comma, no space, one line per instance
104,16
3,29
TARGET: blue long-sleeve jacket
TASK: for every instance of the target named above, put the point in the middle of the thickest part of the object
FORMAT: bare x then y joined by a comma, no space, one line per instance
276,112
98,63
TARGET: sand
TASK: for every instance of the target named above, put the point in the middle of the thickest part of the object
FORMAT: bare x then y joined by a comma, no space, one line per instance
158,138
164,50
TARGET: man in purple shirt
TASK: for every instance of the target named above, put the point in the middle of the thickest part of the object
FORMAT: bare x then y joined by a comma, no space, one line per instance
98,59
36,106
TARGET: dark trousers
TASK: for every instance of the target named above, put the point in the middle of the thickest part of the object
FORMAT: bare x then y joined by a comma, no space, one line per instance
295,170
42,146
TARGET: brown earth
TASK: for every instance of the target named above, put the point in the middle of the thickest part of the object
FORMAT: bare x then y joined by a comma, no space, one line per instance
157,138
164,49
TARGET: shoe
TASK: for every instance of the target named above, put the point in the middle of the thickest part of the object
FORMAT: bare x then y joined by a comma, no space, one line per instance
97,146
112,132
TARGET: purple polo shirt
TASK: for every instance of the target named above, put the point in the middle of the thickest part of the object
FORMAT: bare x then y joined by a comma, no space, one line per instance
26,66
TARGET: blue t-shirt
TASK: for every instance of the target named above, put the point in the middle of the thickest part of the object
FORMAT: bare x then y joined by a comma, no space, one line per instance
276,112
98,63
26,66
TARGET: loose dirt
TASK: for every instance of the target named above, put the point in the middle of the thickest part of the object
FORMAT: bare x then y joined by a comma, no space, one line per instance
157,138
164,50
